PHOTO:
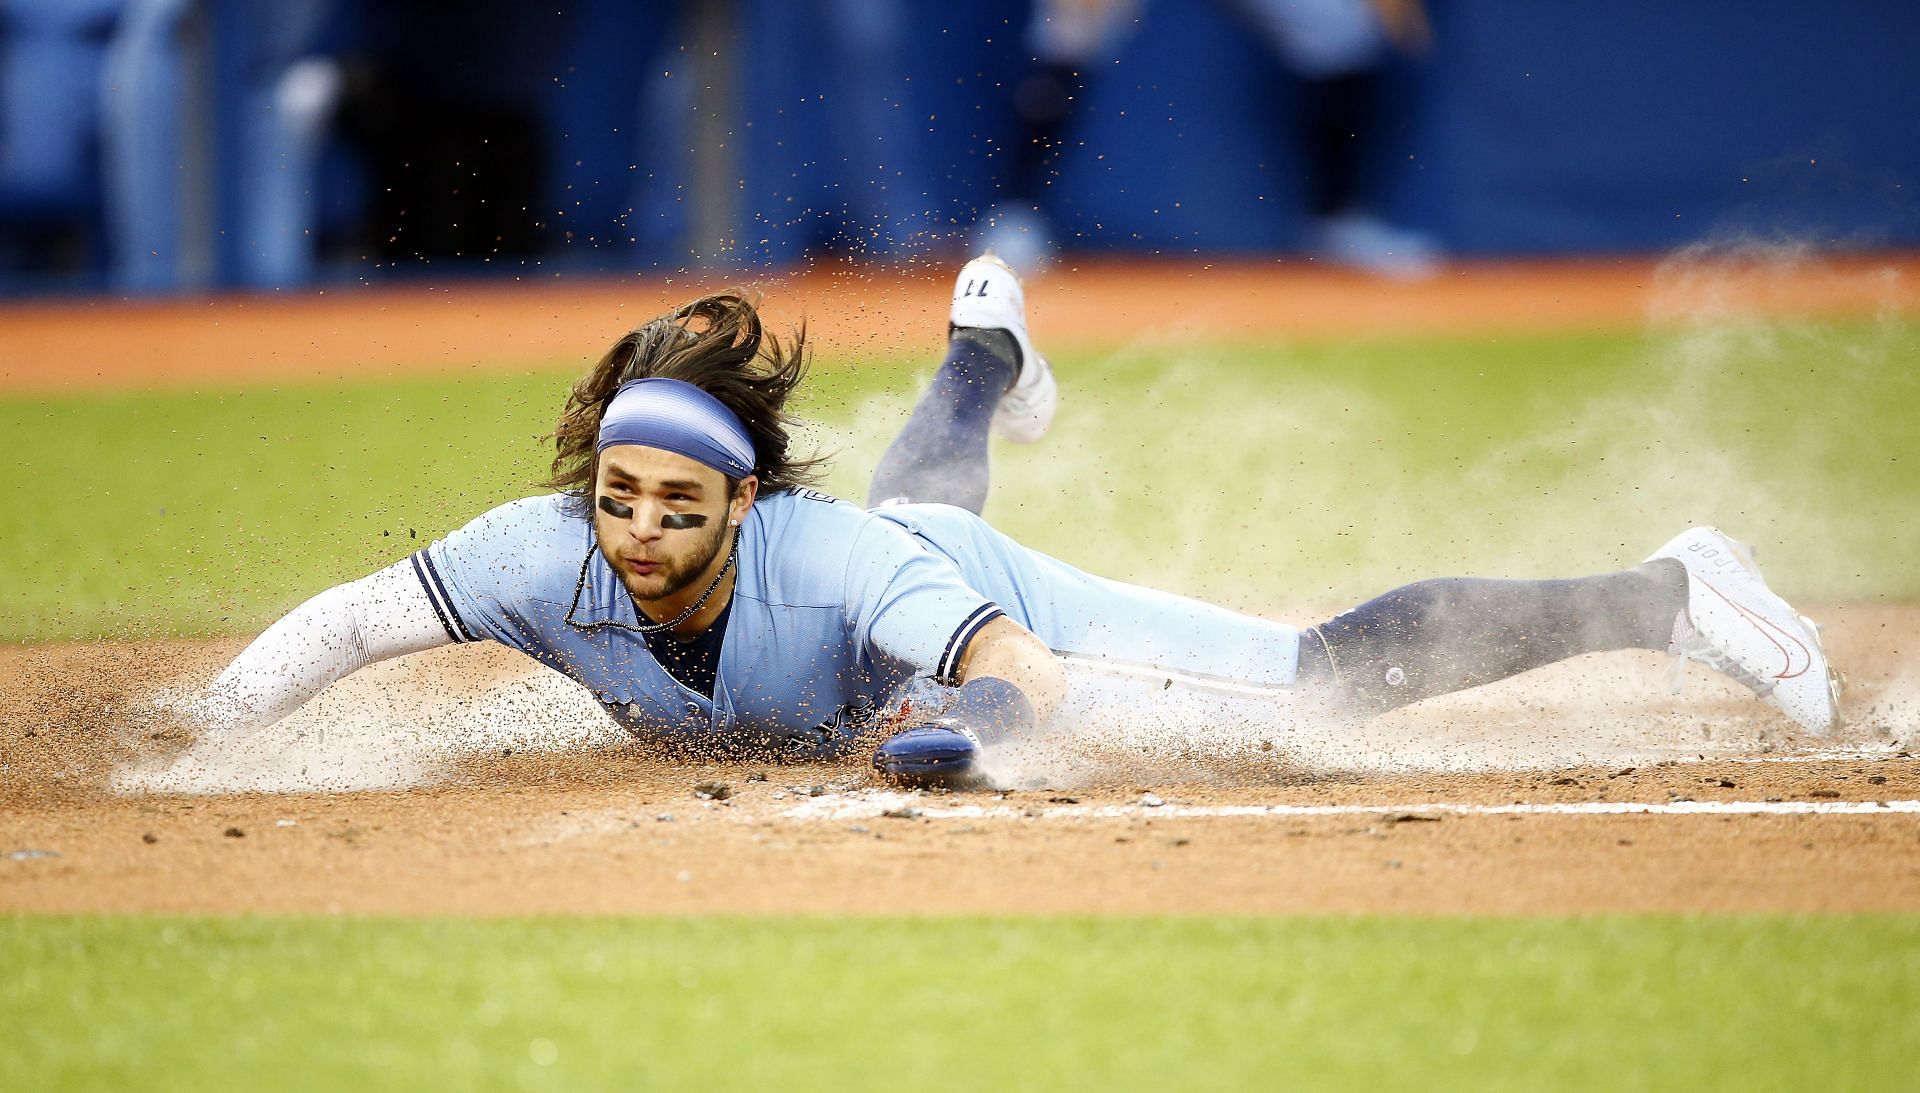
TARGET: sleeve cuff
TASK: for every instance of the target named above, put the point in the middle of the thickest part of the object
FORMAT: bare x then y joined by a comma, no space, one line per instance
948,670
423,568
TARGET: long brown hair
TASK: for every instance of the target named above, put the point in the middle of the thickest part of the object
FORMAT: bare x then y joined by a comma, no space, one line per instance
716,343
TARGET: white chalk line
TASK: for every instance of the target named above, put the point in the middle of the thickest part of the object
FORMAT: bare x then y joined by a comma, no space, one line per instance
1873,752
878,804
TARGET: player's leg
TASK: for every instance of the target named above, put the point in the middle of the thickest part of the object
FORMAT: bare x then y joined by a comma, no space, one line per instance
1434,637
1700,596
941,454
991,379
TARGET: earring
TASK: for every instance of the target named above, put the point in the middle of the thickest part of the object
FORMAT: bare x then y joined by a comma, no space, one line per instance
733,523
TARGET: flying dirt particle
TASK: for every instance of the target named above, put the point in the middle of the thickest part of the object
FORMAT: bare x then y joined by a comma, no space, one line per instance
1723,783
234,833
1622,772
664,818
756,776
1152,800
149,838
1182,842
1414,818
31,854
1824,793
1877,780
816,791
904,812
1566,781
1624,842
713,791
1076,800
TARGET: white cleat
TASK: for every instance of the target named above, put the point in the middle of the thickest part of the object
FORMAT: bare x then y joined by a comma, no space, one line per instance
988,294
1735,625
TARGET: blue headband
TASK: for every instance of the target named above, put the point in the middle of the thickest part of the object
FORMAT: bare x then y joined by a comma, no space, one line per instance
676,416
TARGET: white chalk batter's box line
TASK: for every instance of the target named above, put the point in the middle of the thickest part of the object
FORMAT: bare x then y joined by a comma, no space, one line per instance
875,805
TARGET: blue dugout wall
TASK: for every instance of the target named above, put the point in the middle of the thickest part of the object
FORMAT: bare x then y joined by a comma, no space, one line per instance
752,132
1626,125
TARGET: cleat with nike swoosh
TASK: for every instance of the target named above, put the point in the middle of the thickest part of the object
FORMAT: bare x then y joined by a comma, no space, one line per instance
1737,626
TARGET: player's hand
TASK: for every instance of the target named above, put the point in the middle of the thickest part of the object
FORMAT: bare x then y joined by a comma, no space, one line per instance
943,751
938,754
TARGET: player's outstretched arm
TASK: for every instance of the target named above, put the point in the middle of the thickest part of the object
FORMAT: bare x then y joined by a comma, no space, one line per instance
1009,683
1003,649
332,635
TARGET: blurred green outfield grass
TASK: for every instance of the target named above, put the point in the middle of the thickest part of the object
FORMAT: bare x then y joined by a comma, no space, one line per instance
1258,476
1731,1002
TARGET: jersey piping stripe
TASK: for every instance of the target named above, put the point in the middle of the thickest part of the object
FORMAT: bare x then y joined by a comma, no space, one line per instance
949,667
437,596
431,602
1200,680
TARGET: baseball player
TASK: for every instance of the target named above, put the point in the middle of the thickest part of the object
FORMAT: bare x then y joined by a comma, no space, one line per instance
687,575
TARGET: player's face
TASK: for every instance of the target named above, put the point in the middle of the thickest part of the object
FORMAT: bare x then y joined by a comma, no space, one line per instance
644,498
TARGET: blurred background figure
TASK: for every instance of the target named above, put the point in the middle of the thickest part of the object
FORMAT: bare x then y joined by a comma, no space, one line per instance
229,124
157,146
1337,52
206,185
1067,38
51,56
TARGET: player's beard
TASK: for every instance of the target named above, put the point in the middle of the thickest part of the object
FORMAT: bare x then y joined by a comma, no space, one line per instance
677,573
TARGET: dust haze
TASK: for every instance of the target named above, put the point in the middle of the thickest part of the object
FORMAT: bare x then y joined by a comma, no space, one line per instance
1687,457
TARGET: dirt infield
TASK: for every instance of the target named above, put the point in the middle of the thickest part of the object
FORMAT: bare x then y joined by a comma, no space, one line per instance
1534,796
1700,804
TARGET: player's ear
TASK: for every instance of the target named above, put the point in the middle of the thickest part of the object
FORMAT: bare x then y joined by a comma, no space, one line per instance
743,496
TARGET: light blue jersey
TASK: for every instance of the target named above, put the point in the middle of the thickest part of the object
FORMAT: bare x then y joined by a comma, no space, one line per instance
836,610
1091,618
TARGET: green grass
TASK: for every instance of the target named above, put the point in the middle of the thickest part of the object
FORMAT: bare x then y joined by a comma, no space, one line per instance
1321,1003
1254,475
